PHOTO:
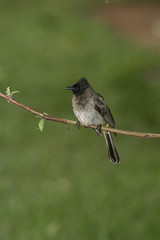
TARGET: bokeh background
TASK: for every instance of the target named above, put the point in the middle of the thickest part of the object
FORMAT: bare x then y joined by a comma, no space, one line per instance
59,184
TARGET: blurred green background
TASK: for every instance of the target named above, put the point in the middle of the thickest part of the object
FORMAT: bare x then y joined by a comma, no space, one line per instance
59,184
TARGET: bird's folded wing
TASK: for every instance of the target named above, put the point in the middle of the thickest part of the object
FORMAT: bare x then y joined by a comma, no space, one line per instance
103,110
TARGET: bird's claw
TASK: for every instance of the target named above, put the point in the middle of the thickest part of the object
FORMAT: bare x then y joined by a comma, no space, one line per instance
99,127
78,124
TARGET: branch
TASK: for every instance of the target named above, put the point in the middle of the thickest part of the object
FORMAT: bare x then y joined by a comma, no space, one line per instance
70,122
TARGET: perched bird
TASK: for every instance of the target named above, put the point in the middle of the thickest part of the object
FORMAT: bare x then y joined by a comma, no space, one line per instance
90,109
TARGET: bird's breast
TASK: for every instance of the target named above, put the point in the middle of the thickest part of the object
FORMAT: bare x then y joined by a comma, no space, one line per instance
86,113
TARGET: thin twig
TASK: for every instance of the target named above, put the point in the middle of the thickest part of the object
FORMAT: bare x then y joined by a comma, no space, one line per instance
70,122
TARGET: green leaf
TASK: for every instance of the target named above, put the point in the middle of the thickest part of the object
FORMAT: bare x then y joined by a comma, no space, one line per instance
41,124
14,92
8,92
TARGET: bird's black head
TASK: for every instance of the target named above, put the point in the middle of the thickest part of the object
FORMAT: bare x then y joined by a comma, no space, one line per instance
80,86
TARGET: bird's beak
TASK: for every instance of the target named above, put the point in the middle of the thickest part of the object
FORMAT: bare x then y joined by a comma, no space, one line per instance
69,88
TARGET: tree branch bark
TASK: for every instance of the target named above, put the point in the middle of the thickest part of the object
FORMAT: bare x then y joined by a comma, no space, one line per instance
70,122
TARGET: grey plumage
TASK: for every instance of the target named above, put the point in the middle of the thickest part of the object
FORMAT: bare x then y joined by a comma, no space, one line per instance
90,109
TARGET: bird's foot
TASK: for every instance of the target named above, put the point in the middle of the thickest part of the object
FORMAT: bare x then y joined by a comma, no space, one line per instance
78,124
99,128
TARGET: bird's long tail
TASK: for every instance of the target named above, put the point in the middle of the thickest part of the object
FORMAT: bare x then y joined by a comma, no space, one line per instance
112,151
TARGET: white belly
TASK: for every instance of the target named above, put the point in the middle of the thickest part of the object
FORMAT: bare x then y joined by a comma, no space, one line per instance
88,116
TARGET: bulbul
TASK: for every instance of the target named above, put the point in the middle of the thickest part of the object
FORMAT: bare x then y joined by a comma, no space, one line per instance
90,109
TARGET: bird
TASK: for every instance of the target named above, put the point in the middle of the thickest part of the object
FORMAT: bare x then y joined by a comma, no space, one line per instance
90,108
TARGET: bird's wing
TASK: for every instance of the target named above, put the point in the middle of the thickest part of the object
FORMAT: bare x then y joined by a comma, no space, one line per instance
103,110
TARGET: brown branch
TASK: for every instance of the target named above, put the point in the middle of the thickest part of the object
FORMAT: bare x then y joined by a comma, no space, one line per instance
70,122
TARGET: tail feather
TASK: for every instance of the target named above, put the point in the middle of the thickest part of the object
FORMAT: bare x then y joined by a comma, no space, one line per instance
112,151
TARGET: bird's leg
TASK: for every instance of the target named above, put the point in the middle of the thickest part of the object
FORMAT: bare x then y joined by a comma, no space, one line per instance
78,124
99,128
